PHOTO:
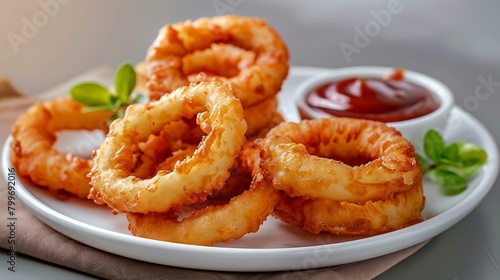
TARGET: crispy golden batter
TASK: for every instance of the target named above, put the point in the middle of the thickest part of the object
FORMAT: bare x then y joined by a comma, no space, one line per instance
311,159
257,116
220,116
344,176
214,223
34,134
350,219
247,52
240,207
221,60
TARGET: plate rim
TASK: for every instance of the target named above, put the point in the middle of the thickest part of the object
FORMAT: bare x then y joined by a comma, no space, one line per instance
391,241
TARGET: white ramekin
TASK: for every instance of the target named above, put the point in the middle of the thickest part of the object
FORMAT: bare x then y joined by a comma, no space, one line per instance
413,129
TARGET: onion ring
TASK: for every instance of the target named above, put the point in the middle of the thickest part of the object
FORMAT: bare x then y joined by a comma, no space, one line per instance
34,134
214,223
295,157
219,60
220,115
255,81
350,219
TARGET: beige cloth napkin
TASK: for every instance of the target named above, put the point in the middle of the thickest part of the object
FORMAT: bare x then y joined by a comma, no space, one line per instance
36,239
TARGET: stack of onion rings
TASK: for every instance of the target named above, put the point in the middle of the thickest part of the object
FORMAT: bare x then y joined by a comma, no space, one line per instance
219,114
307,162
34,156
181,169
188,176
246,53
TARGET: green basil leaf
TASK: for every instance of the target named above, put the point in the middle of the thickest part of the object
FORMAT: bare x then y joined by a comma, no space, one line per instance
471,154
451,153
108,107
450,156
452,183
125,79
91,94
140,98
466,172
433,145
113,99
117,105
453,165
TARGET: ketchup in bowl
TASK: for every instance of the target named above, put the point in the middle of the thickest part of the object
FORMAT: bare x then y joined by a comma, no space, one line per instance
389,99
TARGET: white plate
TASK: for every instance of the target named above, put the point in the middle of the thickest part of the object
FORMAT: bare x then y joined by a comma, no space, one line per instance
276,246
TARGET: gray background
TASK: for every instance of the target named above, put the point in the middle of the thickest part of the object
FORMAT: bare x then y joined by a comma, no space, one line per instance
453,41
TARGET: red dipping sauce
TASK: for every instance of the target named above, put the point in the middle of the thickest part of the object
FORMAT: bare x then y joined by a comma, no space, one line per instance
390,99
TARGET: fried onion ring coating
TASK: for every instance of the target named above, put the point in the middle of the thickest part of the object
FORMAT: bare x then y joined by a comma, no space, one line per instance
177,51
33,155
221,60
240,207
214,223
220,116
350,219
257,116
308,159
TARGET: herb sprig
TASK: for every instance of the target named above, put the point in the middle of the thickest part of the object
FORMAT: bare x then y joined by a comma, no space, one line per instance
450,166
97,97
